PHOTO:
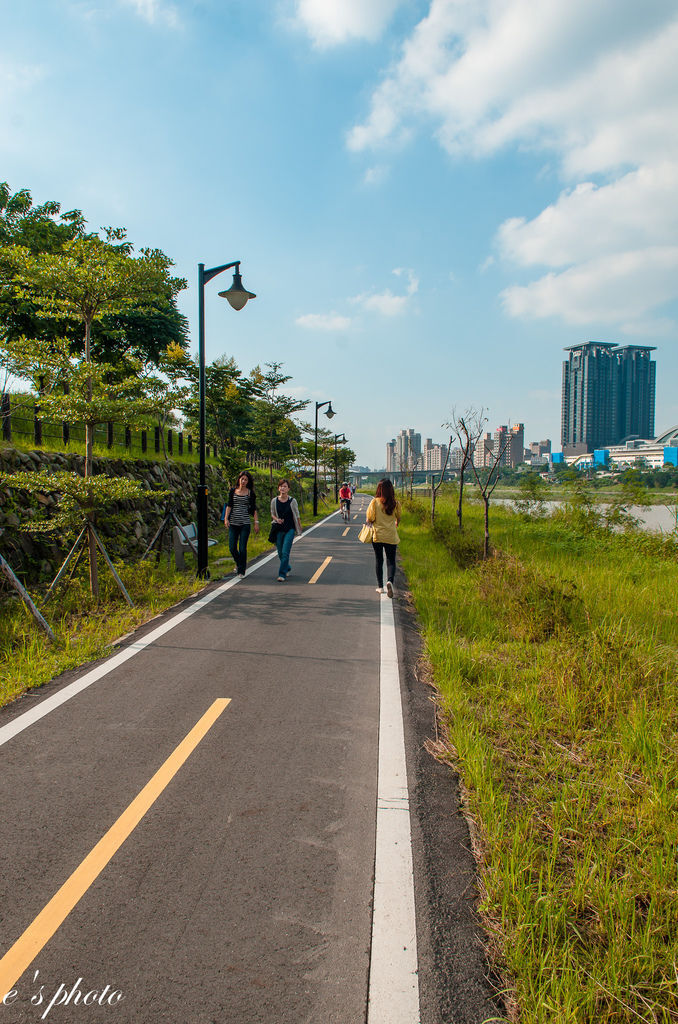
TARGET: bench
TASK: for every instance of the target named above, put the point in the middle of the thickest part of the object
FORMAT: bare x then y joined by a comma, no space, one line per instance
186,539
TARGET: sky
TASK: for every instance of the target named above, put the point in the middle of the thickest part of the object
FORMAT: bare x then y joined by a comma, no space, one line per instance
430,198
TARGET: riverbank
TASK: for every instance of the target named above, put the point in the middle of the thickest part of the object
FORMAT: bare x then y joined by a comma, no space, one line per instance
555,662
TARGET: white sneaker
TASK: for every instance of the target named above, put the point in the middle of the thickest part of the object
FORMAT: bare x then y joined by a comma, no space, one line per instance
389,589
380,590
281,579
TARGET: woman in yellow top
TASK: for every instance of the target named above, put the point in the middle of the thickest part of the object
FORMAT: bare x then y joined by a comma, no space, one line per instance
384,512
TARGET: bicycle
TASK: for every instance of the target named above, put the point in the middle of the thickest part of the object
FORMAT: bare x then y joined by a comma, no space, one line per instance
345,511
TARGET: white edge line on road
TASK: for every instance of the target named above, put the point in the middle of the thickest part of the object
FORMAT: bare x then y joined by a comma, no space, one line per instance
394,983
21,722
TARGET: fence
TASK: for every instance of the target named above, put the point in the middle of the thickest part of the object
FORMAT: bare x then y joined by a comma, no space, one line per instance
17,420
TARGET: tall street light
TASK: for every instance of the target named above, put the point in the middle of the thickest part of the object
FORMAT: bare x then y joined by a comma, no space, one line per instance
341,438
237,297
330,413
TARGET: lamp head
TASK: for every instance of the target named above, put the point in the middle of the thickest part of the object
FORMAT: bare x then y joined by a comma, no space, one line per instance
330,412
237,295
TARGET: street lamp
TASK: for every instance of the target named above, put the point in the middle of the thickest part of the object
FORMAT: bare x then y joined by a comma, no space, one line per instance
237,297
337,438
330,413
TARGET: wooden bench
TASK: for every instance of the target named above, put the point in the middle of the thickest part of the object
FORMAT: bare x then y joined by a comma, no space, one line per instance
186,539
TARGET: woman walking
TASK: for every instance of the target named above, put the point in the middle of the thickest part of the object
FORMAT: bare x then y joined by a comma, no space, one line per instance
384,513
241,505
285,512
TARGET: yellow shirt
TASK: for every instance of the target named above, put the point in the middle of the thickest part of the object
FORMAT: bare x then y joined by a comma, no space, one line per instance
385,531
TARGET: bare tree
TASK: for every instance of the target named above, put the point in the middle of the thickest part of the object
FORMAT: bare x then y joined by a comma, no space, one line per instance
467,427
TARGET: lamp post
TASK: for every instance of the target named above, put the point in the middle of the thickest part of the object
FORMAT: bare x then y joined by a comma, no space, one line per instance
337,438
237,297
330,413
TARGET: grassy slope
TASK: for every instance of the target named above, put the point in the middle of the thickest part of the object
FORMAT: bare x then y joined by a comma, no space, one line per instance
556,663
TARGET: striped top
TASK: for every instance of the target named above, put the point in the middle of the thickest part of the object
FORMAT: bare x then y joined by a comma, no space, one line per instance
240,513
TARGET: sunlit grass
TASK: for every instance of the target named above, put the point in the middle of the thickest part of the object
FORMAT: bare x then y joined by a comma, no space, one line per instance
557,663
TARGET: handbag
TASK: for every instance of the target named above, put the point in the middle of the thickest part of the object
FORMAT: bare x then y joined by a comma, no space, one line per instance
273,533
366,534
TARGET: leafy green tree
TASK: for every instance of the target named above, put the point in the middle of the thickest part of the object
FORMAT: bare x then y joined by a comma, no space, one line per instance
272,428
533,491
86,280
142,332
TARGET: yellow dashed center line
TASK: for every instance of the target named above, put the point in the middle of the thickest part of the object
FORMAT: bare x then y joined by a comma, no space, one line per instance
38,934
346,531
318,573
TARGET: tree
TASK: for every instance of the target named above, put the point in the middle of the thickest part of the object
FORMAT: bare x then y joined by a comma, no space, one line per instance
467,428
142,332
88,279
272,429
470,426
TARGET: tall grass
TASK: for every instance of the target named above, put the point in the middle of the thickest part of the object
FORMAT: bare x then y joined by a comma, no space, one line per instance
557,663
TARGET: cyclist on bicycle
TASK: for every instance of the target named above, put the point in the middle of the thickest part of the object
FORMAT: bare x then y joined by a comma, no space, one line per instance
345,498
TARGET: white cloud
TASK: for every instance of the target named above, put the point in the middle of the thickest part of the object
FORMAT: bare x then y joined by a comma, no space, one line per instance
608,290
155,12
386,303
375,175
638,209
324,322
332,22
596,85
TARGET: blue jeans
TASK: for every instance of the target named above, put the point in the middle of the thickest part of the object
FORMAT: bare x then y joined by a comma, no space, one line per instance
284,544
237,543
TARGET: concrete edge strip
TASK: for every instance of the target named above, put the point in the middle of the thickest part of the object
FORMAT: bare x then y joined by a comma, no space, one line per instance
394,983
21,722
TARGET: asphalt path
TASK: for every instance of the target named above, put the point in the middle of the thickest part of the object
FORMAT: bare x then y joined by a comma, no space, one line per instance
191,838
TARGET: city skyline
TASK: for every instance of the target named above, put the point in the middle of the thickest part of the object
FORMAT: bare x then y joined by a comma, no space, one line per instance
458,189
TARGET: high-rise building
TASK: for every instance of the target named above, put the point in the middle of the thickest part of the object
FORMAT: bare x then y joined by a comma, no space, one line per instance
507,445
608,394
636,392
407,450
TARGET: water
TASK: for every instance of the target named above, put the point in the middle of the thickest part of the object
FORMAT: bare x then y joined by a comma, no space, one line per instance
657,518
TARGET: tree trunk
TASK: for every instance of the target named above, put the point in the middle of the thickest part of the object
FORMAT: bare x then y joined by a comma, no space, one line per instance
486,546
93,566
89,426
461,493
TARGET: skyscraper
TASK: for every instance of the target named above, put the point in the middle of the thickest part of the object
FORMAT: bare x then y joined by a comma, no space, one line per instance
608,394
636,391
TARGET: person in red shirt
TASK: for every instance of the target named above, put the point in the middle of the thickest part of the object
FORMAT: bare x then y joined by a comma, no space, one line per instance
345,498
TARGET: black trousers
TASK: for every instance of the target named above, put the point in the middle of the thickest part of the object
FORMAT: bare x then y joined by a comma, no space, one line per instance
379,550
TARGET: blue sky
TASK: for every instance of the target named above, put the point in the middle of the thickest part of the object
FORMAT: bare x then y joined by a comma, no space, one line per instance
431,198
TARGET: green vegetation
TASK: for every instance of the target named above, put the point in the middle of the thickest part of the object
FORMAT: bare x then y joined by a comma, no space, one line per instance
556,661
85,630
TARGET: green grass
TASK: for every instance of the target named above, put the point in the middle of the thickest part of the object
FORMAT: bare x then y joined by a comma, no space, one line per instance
85,630
556,663
25,442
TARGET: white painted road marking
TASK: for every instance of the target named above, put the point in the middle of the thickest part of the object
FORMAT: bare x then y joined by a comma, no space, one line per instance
394,983
21,722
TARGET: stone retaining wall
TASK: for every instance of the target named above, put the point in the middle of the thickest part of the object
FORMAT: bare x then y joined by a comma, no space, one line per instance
37,557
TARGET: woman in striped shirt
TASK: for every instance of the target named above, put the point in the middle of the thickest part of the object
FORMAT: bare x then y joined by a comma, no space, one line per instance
241,505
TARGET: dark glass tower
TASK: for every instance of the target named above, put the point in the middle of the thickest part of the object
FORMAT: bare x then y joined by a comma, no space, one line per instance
636,391
608,395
